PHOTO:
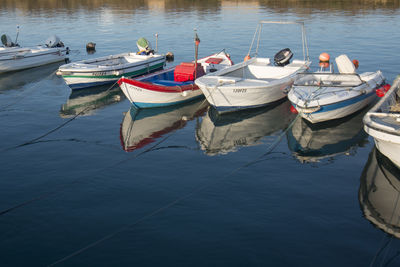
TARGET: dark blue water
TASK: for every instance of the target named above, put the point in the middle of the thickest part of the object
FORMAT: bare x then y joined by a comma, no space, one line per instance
182,186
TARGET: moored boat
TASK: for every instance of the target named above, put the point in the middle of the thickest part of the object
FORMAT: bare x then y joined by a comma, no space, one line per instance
382,122
174,85
256,81
15,58
322,96
108,69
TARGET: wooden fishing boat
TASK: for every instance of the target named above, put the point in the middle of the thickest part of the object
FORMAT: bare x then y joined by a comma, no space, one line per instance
14,58
255,82
174,85
322,96
108,69
382,122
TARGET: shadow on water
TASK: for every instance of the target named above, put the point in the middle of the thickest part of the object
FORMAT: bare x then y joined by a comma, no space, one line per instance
86,101
141,127
379,197
221,134
17,79
314,142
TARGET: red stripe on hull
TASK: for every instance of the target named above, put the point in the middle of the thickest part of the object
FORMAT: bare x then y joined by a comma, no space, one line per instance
159,88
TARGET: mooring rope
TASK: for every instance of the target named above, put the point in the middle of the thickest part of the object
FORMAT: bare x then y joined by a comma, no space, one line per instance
58,127
174,202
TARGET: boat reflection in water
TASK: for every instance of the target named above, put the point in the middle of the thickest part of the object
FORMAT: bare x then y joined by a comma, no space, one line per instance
221,134
379,193
86,101
143,126
314,142
17,79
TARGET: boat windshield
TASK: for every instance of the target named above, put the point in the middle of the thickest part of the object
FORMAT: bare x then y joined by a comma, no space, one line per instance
327,80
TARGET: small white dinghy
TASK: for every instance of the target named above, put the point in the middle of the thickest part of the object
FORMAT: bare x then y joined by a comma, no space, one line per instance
382,122
14,58
105,70
255,82
322,96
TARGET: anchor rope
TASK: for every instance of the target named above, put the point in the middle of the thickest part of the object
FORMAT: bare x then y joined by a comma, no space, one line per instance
270,148
58,127
25,93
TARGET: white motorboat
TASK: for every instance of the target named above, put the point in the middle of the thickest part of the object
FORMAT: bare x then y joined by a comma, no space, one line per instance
108,69
382,122
256,81
14,58
322,96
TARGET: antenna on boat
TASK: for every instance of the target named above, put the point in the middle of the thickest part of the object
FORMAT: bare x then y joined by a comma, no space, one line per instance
156,35
16,38
196,51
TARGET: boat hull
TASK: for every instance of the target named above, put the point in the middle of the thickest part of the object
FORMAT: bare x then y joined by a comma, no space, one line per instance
26,59
338,110
86,74
144,95
382,123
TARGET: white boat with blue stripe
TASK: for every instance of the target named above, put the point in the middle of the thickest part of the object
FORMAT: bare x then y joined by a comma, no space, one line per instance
323,96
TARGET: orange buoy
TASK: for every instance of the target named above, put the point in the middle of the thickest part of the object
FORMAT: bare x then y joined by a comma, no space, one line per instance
324,57
356,63
379,92
247,57
324,60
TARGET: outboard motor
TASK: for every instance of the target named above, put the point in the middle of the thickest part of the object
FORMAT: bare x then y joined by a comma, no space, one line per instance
7,42
54,41
283,57
144,47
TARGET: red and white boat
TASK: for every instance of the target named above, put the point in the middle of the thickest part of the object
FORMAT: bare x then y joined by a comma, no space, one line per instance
174,85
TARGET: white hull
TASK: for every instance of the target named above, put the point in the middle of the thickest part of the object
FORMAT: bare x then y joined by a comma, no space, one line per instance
249,84
319,103
25,58
382,122
338,113
147,98
104,70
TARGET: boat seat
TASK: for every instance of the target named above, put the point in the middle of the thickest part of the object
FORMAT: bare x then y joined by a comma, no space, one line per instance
344,64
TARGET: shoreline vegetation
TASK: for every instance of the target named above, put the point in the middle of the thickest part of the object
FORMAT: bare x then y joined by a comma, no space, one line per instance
300,6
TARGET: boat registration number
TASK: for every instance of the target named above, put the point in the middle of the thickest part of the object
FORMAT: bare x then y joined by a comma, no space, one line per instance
100,73
239,90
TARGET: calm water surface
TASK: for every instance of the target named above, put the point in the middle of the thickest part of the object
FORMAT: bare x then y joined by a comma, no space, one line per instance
182,186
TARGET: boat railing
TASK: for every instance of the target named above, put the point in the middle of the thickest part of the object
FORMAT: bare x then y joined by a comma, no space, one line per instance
326,79
257,34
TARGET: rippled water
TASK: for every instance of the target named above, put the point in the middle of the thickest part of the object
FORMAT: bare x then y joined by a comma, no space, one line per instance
182,186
